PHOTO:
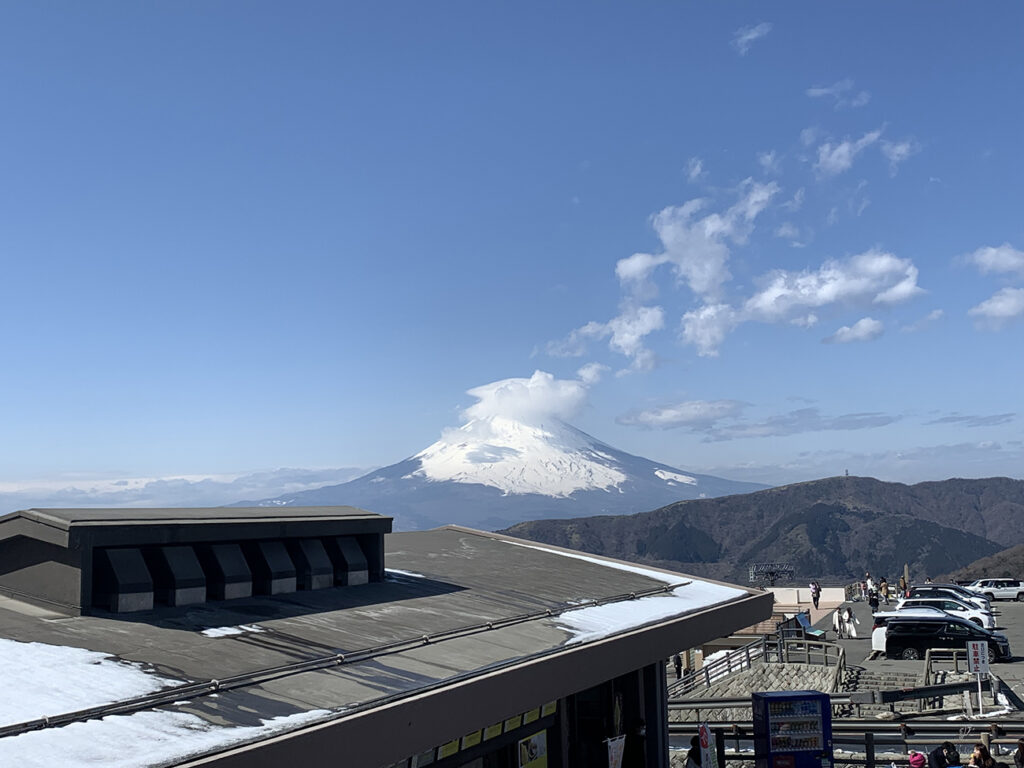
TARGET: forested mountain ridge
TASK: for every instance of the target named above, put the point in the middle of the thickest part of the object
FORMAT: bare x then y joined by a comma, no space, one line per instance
836,528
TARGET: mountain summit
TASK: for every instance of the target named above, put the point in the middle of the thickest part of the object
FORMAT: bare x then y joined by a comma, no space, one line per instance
496,471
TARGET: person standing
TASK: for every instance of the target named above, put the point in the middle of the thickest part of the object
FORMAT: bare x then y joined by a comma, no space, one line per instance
677,662
903,586
883,588
873,601
815,593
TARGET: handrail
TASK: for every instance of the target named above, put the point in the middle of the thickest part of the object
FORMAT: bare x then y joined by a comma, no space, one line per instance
738,659
931,654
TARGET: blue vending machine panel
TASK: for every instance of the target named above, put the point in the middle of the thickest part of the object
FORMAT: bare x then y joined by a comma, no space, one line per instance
792,729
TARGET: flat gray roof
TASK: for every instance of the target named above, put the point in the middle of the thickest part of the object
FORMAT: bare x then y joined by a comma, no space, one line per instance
457,607
65,518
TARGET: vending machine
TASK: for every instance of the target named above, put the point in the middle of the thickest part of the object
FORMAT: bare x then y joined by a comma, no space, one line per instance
792,729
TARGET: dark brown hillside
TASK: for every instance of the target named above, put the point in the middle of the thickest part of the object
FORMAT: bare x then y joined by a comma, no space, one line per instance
1006,564
835,528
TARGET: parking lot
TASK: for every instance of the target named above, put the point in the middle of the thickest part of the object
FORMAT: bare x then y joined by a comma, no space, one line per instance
1009,616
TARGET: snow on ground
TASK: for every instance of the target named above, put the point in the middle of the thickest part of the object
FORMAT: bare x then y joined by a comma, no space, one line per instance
675,477
40,680
407,574
241,629
553,460
134,741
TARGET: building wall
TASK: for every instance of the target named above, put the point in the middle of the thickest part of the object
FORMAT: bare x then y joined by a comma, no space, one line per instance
38,571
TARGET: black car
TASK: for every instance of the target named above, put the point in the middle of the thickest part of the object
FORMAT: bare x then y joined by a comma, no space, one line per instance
909,638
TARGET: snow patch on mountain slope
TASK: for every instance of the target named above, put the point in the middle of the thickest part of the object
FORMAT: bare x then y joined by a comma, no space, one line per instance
675,477
552,459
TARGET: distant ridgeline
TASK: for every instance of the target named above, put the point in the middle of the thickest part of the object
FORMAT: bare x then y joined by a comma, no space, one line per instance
832,529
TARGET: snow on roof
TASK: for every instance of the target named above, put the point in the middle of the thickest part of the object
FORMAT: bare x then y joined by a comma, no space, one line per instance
598,621
141,740
44,680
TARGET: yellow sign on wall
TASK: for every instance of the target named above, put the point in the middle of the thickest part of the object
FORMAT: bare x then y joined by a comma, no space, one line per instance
448,749
471,739
492,730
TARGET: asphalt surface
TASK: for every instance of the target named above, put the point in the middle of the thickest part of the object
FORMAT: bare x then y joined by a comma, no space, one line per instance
1009,616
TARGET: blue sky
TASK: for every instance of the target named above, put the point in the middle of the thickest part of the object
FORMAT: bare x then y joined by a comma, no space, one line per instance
779,240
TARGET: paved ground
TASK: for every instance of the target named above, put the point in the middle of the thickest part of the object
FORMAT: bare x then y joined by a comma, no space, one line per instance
1009,620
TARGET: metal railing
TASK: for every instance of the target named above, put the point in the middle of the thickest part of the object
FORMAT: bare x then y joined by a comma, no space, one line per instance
871,743
933,656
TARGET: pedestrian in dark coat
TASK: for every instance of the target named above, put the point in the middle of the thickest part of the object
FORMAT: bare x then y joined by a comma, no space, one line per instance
873,601
944,756
677,662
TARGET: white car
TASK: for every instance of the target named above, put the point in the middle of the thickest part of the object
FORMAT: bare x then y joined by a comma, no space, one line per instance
952,606
882,618
998,589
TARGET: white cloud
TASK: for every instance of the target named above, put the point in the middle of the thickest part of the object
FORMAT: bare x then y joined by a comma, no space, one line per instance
625,334
697,248
841,93
746,36
591,373
788,230
695,169
805,321
692,413
809,135
706,327
796,203
932,317
897,152
870,277
531,400
833,216
865,329
836,158
769,162
1003,258
1005,304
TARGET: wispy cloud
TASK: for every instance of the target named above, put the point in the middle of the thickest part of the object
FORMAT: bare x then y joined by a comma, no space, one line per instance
897,152
872,278
770,162
841,93
992,420
695,169
930,319
865,329
745,37
720,420
698,415
834,159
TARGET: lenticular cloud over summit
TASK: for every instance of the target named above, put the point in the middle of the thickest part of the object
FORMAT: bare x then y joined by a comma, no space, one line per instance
529,401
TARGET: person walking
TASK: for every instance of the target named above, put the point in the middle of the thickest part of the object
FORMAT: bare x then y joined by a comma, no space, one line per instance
873,601
903,586
815,593
883,588
837,625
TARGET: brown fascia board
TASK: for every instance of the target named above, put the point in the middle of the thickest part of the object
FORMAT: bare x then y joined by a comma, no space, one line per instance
393,731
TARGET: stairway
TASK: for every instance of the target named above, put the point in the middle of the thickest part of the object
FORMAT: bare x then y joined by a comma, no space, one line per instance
859,679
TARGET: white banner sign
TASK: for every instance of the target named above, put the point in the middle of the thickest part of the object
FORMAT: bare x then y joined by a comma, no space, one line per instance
708,752
977,656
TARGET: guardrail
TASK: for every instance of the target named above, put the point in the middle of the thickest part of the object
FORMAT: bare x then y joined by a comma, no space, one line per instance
934,655
870,743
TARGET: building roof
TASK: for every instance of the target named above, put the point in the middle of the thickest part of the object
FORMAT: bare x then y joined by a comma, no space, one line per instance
465,621
66,518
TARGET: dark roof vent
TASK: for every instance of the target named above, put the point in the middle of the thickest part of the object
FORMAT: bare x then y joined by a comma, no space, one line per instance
127,560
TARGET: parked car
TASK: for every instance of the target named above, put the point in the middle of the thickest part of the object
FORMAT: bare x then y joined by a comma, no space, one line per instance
943,590
881,620
999,589
952,606
910,638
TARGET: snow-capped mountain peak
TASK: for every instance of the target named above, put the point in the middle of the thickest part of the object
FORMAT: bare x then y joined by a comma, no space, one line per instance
551,459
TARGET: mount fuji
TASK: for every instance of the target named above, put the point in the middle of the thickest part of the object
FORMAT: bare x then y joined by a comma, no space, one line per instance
497,471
